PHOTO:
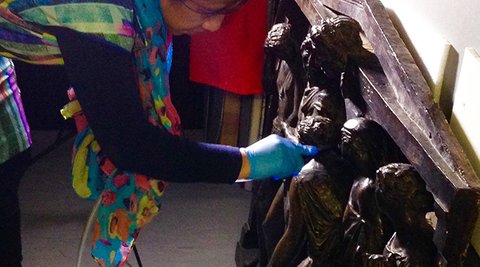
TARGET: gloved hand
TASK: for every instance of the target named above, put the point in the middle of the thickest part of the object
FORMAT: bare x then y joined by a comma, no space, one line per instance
276,157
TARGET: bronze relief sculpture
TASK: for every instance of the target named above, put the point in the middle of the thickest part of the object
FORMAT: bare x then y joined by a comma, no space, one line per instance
317,197
396,130
402,196
367,146
338,228
290,80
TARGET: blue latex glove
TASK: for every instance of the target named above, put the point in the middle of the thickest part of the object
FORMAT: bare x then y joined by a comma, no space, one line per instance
276,157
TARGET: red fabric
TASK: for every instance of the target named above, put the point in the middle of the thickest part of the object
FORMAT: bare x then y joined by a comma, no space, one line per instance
232,57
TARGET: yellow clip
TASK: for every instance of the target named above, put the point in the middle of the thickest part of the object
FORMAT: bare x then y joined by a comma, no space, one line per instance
70,109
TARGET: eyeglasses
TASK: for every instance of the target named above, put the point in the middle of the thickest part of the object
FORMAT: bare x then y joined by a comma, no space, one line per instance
208,12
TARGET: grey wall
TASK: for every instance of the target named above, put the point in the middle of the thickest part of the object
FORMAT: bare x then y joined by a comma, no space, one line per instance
457,22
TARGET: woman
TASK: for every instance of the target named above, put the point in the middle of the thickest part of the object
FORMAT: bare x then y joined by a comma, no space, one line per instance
15,142
100,43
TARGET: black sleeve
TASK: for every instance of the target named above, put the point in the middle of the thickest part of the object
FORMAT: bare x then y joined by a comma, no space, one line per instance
104,82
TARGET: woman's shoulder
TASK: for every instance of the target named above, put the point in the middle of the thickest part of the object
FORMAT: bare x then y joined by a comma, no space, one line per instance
22,5
112,20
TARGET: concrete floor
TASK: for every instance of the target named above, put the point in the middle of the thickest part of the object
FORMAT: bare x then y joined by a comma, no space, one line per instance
198,226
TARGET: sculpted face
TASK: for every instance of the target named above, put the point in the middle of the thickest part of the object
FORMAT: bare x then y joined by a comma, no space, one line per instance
317,131
354,147
317,55
279,41
401,190
368,146
327,46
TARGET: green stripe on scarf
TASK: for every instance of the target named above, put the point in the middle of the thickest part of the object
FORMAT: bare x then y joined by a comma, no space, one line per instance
107,19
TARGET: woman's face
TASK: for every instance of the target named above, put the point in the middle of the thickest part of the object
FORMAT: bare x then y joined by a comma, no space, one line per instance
193,16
